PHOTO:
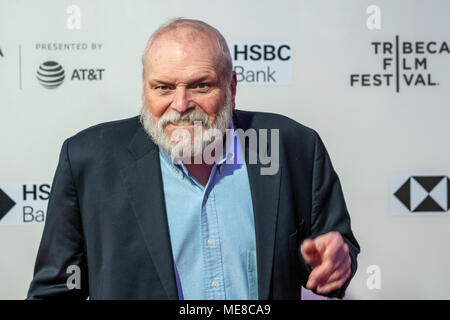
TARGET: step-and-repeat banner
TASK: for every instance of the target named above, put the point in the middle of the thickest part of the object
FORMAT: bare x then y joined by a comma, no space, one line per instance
372,77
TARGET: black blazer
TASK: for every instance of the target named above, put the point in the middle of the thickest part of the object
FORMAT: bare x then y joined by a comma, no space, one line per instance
106,214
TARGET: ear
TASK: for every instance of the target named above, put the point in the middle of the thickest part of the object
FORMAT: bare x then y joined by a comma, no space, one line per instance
233,85
144,88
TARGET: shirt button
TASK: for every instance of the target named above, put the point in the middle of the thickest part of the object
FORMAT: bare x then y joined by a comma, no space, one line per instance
213,284
210,242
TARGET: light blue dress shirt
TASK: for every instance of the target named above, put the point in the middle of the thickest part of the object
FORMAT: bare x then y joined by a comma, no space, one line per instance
212,229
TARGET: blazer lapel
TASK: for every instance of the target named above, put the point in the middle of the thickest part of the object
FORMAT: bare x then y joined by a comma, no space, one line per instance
143,183
265,195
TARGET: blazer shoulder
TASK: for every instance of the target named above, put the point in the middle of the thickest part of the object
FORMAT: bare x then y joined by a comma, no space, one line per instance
102,141
112,132
265,120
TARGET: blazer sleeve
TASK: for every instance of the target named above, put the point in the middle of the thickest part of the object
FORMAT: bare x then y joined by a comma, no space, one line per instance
329,211
62,245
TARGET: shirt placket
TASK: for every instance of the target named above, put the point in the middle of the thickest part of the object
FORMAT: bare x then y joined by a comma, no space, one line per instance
211,246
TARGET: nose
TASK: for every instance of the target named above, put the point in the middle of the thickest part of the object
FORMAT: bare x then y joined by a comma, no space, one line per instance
180,101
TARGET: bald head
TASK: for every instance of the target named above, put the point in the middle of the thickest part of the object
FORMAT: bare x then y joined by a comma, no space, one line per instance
188,33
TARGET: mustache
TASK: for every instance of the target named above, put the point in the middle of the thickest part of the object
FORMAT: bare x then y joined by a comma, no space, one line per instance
175,117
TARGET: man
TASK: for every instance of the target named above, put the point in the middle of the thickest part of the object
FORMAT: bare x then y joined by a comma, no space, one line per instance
138,211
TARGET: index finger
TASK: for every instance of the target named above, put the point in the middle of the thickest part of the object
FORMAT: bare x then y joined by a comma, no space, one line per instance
308,247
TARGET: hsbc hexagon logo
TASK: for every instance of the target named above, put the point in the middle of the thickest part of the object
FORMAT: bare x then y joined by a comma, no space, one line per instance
420,194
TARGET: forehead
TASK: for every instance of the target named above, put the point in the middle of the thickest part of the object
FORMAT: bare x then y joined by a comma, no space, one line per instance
184,51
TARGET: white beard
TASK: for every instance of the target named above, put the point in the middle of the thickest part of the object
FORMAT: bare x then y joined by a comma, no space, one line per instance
181,146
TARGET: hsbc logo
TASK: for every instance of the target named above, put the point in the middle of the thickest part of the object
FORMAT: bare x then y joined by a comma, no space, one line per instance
268,63
266,52
23,203
420,194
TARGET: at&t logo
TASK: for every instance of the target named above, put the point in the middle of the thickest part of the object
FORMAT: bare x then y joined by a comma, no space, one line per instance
50,74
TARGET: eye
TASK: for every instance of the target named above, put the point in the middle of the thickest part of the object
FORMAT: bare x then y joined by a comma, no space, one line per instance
202,85
164,88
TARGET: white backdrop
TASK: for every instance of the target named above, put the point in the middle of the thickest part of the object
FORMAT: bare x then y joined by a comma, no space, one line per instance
373,133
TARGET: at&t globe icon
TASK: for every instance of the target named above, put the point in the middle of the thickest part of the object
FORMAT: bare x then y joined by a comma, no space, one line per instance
50,74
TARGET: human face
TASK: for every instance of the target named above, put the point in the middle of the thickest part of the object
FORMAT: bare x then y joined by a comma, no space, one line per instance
182,75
